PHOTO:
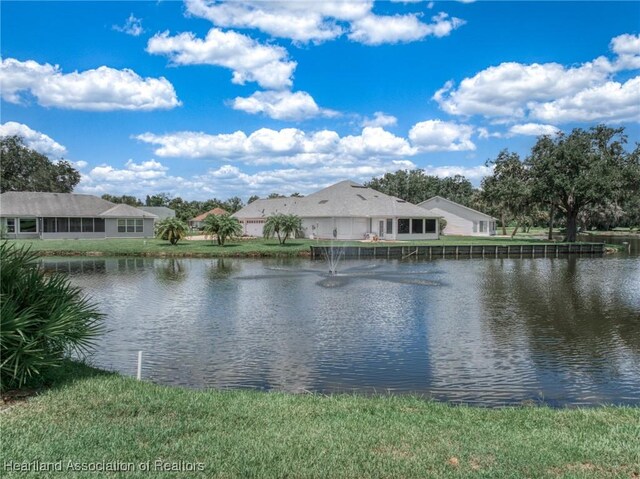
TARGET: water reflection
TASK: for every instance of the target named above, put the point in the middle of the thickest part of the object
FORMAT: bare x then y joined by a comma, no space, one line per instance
492,331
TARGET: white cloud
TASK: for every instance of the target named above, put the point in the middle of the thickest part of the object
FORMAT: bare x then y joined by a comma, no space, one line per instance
282,105
612,101
380,119
533,129
100,89
132,26
138,179
379,29
551,92
268,65
287,146
627,47
318,22
33,139
438,135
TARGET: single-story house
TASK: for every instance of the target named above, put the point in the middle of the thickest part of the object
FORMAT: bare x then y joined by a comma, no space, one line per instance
197,222
461,220
162,212
26,214
345,211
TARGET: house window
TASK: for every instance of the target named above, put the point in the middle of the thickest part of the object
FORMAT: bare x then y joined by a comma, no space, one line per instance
75,225
98,225
28,225
483,226
87,225
417,226
11,225
49,225
63,225
131,226
430,226
403,226
389,226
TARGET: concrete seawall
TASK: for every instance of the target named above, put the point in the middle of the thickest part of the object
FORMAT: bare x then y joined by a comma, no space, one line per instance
444,251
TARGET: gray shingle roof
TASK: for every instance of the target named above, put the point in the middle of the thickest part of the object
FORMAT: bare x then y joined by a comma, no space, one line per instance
29,203
432,203
344,199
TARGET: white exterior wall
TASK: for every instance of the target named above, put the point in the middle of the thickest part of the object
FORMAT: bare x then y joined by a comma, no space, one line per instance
345,229
456,225
460,220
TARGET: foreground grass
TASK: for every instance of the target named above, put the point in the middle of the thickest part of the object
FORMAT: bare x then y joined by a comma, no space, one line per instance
245,247
106,417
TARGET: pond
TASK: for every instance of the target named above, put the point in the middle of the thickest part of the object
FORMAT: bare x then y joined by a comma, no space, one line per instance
560,331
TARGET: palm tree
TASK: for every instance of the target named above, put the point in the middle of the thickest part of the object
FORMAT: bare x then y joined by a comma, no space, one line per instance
282,225
228,227
210,227
172,230
222,226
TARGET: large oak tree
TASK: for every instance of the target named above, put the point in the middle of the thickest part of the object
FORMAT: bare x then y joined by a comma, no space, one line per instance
583,169
24,169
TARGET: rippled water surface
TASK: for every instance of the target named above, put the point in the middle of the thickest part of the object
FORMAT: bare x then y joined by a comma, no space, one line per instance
564,331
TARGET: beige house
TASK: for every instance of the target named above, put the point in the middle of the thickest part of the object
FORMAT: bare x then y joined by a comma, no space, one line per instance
461,220
345,211
66,215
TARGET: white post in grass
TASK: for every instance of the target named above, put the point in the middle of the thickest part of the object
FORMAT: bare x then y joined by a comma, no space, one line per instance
139,365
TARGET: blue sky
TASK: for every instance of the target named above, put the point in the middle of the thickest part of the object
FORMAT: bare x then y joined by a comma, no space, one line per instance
204,99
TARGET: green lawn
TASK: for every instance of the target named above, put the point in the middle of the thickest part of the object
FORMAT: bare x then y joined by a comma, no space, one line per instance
92,417
251,247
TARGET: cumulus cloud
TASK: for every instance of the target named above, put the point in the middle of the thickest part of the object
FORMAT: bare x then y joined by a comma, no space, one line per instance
379,29
611,101
380,119
438,135
132,26
533,129
318,22
282,105
249,60
33,139
100,89
287,146
550,92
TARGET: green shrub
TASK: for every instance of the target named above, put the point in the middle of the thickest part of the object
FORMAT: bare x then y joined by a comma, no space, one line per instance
442,223
42,318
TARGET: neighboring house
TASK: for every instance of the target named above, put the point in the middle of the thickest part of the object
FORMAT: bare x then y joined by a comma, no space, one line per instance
197,222
67,215
461,220
345,211
162,212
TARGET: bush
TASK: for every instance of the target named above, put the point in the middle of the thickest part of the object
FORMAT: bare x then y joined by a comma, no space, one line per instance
443,224
42,318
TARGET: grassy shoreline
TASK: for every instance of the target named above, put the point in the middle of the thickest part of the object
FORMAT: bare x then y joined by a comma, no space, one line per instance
91,416
243,248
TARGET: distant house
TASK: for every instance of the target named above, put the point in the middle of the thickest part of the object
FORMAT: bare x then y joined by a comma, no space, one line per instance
67,215
345,211
197,222
461,220
162,212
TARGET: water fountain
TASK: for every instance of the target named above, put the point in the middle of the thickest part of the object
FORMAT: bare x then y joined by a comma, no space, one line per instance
333,254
